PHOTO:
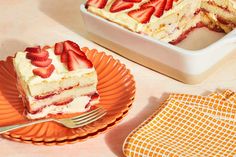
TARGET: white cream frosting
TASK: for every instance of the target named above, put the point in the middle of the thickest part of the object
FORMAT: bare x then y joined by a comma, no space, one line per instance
165,25
170,25
34,85
25,69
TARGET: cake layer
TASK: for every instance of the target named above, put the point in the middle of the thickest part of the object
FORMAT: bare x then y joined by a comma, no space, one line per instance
219,14
71,93
228,4
79,104
172,24
53,80
60,79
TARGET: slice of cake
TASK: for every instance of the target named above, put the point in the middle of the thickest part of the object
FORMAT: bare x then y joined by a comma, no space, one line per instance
167,20
55,80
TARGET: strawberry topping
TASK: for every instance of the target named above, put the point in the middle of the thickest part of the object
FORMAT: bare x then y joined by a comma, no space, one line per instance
58,48
159,6
37,55
64,57
72,55
44,72
142,15
169,4
70,45
76,61
120,5
46,47
42,63
39,58
96,3
35,49
134,1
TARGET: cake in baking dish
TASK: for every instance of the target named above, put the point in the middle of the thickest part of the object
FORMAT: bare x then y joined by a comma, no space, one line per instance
55,80
167,20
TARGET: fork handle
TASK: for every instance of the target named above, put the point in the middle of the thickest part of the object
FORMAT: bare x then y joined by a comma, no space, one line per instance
17,126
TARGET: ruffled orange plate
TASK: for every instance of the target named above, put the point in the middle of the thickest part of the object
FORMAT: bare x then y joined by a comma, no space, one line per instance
116,87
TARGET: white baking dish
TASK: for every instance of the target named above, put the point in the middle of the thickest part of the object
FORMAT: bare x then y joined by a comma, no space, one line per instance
189,66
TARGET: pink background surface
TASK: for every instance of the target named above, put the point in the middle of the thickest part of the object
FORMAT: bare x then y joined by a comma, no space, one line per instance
27,22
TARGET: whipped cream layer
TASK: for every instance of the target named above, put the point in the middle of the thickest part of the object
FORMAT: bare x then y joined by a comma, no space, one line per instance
61,78
77,105
75,92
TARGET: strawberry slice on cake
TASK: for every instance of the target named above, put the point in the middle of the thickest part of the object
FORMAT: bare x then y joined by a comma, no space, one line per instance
172,20
55,80
120,5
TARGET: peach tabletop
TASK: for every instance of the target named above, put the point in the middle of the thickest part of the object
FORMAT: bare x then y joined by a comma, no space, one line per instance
26,22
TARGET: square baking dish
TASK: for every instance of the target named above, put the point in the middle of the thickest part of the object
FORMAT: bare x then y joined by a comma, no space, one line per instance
188,66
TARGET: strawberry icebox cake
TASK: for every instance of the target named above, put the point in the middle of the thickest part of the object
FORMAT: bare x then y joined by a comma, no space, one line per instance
55,80
167,20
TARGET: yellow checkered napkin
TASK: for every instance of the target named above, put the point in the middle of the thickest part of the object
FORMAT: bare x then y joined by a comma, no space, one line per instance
188,125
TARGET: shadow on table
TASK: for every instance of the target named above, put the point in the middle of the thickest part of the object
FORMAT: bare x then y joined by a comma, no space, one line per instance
115,138
10,46
65,12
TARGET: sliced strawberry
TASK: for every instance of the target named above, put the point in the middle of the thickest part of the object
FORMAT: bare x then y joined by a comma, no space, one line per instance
39,56
134,1
142,15
64,57
159,6
46,47
44,72
70,45
96,3
120,5
169,5
76,61
35,49
58,48
42,63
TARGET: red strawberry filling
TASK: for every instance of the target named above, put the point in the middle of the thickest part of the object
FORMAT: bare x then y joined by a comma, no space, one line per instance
50,94
93,97
63,102
184,34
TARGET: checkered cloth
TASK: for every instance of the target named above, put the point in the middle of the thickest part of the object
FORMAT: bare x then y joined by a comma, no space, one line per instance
188,125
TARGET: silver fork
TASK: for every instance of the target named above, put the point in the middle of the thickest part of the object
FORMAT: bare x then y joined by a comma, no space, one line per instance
73,122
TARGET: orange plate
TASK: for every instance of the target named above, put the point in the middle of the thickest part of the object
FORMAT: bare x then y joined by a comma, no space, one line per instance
116,87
